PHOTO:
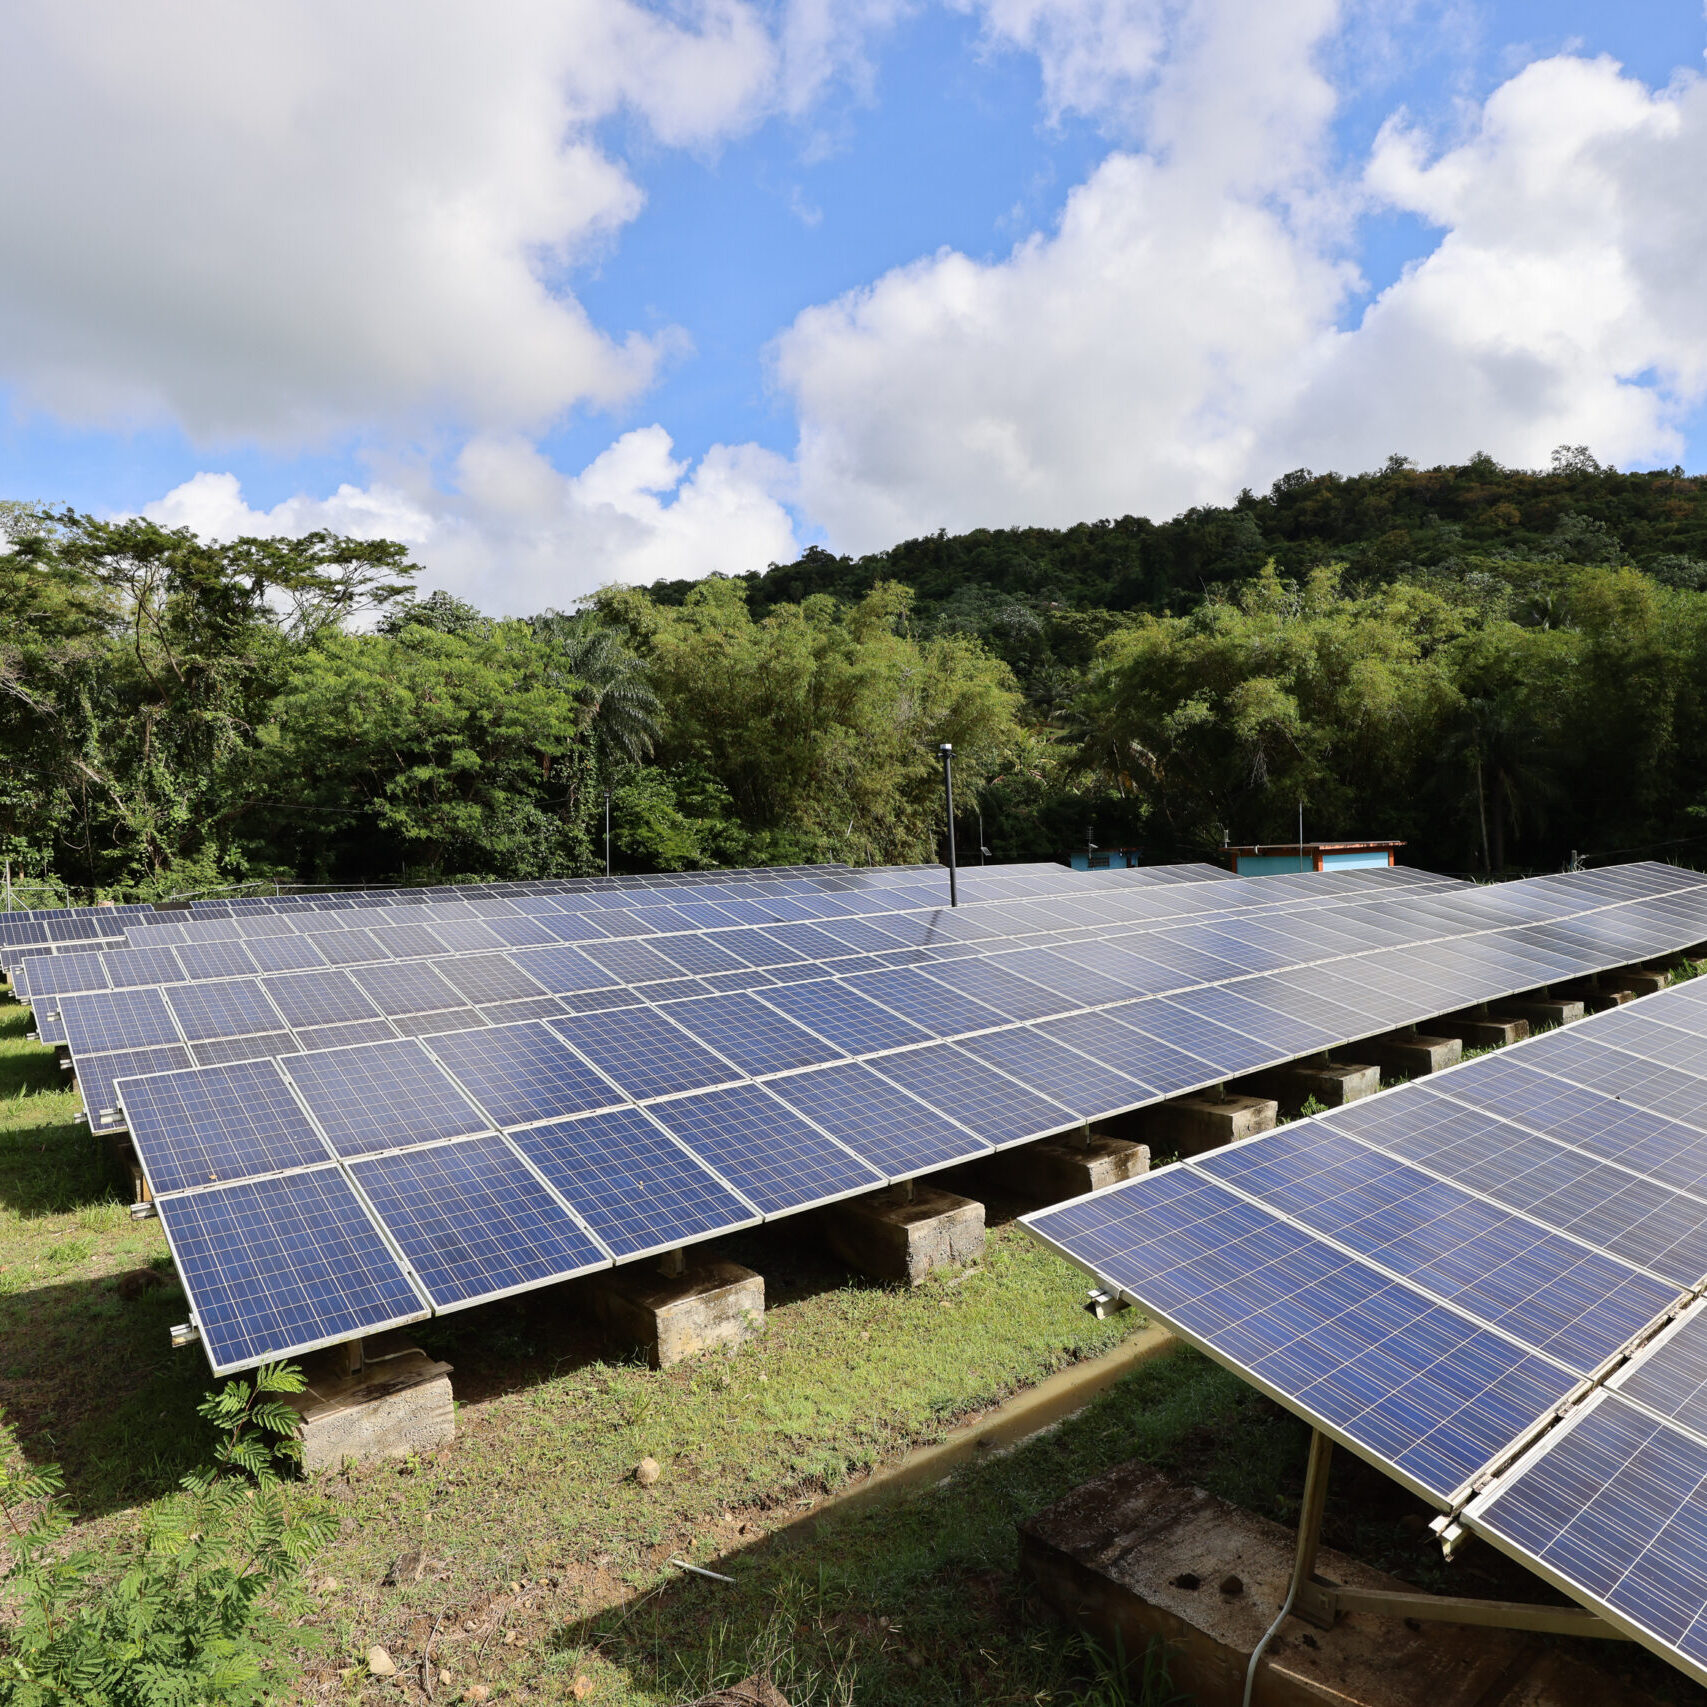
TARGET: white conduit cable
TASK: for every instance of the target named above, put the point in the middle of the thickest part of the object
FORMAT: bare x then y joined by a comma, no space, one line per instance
1268,1636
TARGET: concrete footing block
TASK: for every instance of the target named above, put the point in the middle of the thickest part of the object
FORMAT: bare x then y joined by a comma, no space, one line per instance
1333,1084
712,1305
902,1235
1480,1031
1637,980
1539,1010
1191,1124
1057,1168
1412,1053
400,1402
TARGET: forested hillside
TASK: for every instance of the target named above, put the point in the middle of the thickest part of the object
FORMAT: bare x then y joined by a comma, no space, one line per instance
1500,666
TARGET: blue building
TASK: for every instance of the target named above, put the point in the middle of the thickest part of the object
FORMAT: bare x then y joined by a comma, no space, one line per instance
1264,859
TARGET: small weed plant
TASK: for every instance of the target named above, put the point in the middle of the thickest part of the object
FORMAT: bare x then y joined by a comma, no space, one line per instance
198,1607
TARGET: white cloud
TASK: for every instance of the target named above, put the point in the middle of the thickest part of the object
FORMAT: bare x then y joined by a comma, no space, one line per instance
517,536
1181,332
278,222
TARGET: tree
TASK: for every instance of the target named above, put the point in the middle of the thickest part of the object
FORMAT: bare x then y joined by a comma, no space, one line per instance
622,710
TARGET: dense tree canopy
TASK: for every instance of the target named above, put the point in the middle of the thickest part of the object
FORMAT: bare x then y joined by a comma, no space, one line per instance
1501,667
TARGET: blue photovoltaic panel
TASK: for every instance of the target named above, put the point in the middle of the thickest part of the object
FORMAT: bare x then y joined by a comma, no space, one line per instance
561,971
897,1134
98,1076
430,1025
128,968
1086,986
940,1010
1085,1086
474,1222
234,1007
764,1149
343,1035
643,1052
1416,1385
529,1007
1560,1298
274,1267
257,1048
700,955
953,1083
1231,1051
631,962
405,987
466,936
523,1073
410,941
990,983
349,948
217,1123
1614,1508
284,953
116,1019
1670,1374
1107,1037
855,1025
216,960
52,974
318,998
521,933
1282,1033
742,1029
486,978
381,1096
637,1188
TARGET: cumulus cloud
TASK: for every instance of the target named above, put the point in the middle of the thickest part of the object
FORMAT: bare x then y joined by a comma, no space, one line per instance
1194,324
276,222
516,536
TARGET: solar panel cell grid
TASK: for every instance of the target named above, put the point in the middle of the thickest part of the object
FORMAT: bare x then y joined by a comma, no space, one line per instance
968,1090
234,1007
754,1036
520,1074
643,1053
380,1096
895,1133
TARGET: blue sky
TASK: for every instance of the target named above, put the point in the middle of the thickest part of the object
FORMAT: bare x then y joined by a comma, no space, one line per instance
615,293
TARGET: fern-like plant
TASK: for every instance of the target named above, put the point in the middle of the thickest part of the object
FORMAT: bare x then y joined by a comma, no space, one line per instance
197,1609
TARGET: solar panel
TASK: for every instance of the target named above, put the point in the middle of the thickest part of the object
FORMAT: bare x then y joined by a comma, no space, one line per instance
991,983
764,1149
520,1074
234,1007
276,1267
954,1084
405,987
98,1076
130,968
474,1222
485,978
1075,1081
213,1124
380,1096
118,1019
637,1188
643,1052
561,971
844,1017
897,1134
349,948
318,998
216,960
928,1004
757,1038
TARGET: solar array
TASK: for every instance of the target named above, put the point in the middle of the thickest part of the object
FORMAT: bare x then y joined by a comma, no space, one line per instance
611,1073
1489,1283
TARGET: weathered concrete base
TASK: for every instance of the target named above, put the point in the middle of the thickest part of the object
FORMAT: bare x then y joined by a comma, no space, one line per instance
1057,1168
1539,1010
398,1404
894,1235
1412,1053
1331,1083
1638,980
1113,1559
1480,1031
1192,1124
711,1305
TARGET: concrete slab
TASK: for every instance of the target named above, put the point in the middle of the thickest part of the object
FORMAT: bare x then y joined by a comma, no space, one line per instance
1638,980
1539,1010
905,1235
1413,1053
1058,1168
1332,1083
1191,1124
1480,1031
710,1306
399,1402
1134,1557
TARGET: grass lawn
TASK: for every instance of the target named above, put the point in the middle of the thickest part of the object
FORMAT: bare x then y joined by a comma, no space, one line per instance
546,1572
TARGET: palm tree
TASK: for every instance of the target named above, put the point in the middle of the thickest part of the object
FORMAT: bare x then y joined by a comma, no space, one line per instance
611,682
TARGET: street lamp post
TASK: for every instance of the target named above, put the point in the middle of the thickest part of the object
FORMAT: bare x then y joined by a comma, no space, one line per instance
607,832
947,752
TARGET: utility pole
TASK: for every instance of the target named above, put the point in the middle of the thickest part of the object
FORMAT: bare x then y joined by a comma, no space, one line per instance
1090,846
607,832
983,852
947,752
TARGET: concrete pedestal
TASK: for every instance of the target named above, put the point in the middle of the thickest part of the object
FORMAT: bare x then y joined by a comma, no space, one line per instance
1190,1124
1480,1031
1539,1010
712,1305
893,1236
399,1403
1638,980
1135,1557
1058,1168
1331,1083
1412,1053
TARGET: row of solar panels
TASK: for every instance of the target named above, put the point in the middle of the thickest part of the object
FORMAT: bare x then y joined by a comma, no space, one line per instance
1436,1275
203,1018
490,1160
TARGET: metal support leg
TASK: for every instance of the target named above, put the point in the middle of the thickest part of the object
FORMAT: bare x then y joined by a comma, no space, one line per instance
1308,1600
673,1264
354,1356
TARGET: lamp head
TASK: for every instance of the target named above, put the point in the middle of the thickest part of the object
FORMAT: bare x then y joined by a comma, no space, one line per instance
946,749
